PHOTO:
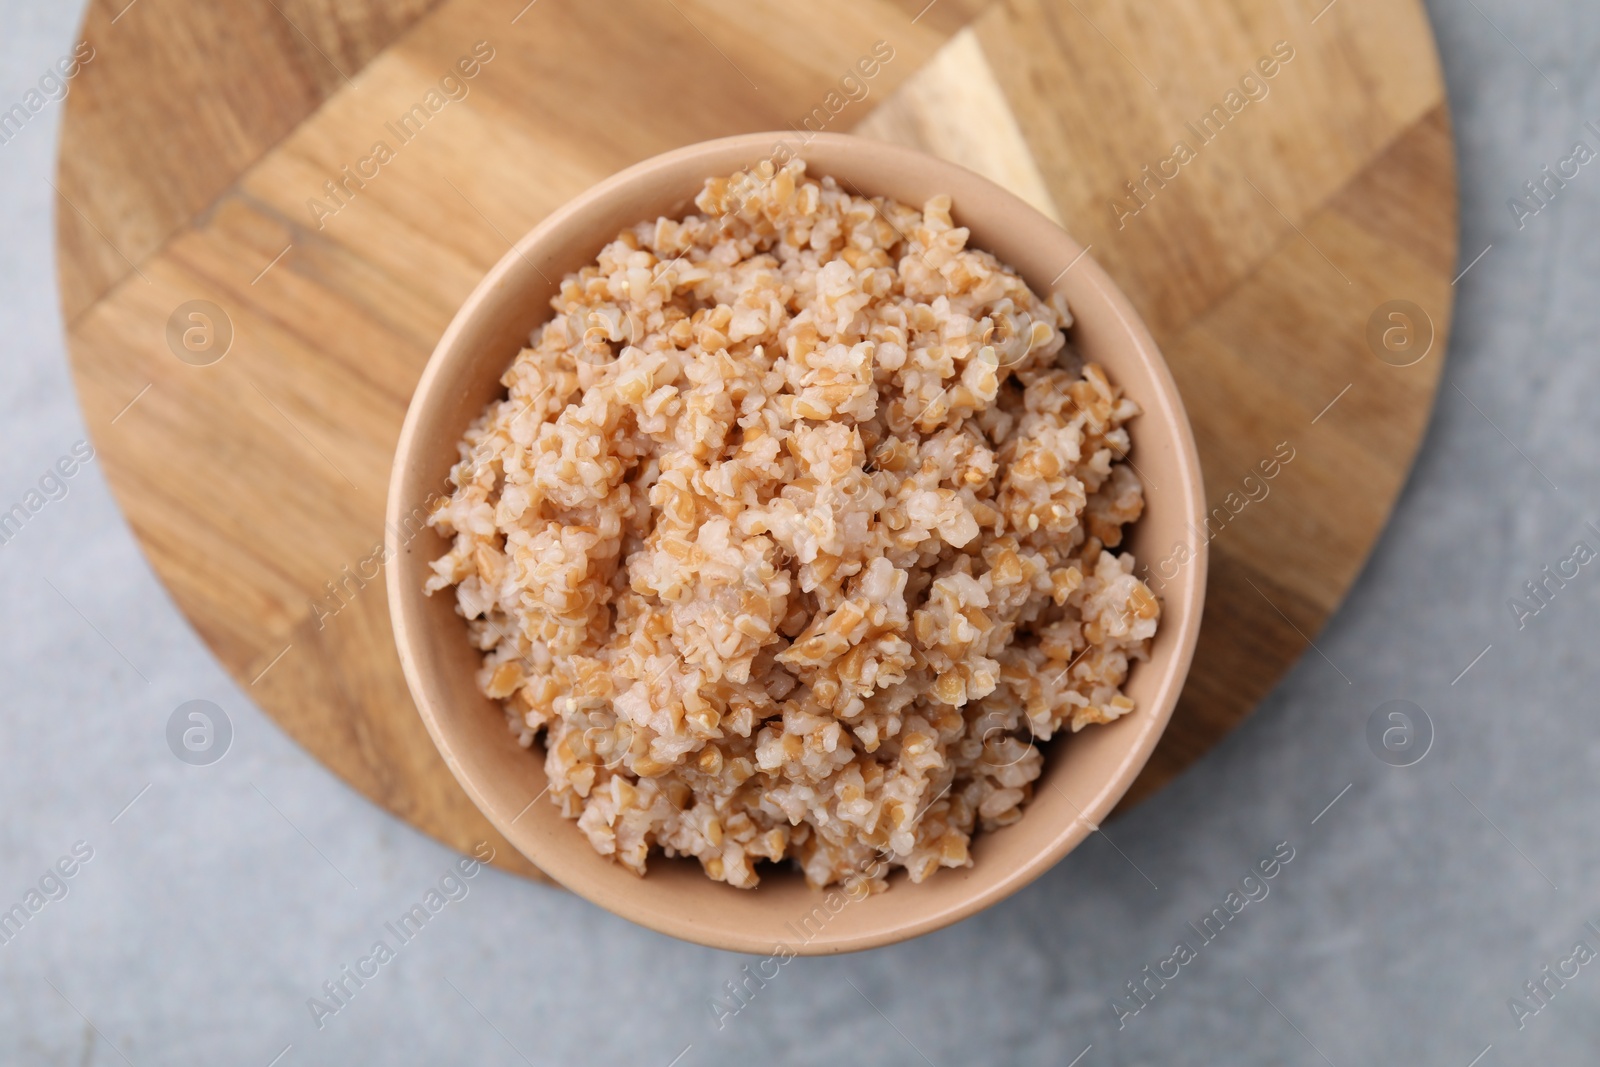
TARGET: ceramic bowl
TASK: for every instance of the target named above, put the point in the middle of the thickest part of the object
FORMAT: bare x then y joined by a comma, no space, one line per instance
1084,774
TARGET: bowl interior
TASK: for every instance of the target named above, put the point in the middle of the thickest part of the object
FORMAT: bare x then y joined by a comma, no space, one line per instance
1084,774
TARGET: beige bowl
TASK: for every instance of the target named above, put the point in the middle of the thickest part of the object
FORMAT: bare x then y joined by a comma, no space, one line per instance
1084,774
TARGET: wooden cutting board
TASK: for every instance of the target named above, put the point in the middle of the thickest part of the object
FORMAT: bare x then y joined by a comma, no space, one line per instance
1263,177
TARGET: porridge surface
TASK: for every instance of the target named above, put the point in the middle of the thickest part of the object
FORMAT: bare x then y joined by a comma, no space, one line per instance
789,539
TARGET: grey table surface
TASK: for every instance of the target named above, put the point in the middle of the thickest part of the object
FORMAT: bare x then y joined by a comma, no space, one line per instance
217,900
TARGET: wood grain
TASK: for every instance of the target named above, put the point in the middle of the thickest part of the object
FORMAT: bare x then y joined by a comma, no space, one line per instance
256,484
954,108
172,122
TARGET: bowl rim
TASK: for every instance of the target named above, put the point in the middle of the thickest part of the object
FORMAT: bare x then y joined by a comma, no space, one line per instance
406,605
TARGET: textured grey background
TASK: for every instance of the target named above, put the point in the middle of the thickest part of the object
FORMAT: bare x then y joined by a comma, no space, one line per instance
1407,918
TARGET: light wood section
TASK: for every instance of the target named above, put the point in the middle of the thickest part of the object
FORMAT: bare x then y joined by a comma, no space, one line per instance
954,108
254,482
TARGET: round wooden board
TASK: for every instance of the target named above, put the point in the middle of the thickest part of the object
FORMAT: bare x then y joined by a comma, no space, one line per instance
198,136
